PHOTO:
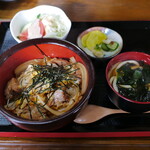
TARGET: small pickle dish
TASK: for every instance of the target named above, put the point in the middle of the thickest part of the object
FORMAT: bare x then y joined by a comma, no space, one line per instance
100,43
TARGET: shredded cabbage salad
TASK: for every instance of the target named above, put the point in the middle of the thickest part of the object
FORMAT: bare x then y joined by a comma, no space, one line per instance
44,25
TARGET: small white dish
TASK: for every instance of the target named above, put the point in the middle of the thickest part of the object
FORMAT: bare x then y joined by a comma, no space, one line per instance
111,36
26,16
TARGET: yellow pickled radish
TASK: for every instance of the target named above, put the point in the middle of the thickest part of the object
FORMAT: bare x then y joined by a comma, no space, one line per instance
95,37
84,38
91,39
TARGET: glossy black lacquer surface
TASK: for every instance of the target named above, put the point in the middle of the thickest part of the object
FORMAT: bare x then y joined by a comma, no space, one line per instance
135,38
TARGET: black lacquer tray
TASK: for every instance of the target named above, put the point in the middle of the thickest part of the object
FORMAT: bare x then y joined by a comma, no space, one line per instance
135,36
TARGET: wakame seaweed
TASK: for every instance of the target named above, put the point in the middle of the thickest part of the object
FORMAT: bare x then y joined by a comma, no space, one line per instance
134,82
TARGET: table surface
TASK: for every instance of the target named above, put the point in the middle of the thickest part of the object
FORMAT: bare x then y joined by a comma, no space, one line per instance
81,10
85,10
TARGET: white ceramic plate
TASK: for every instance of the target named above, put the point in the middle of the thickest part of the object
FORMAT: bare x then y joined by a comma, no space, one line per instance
111,35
